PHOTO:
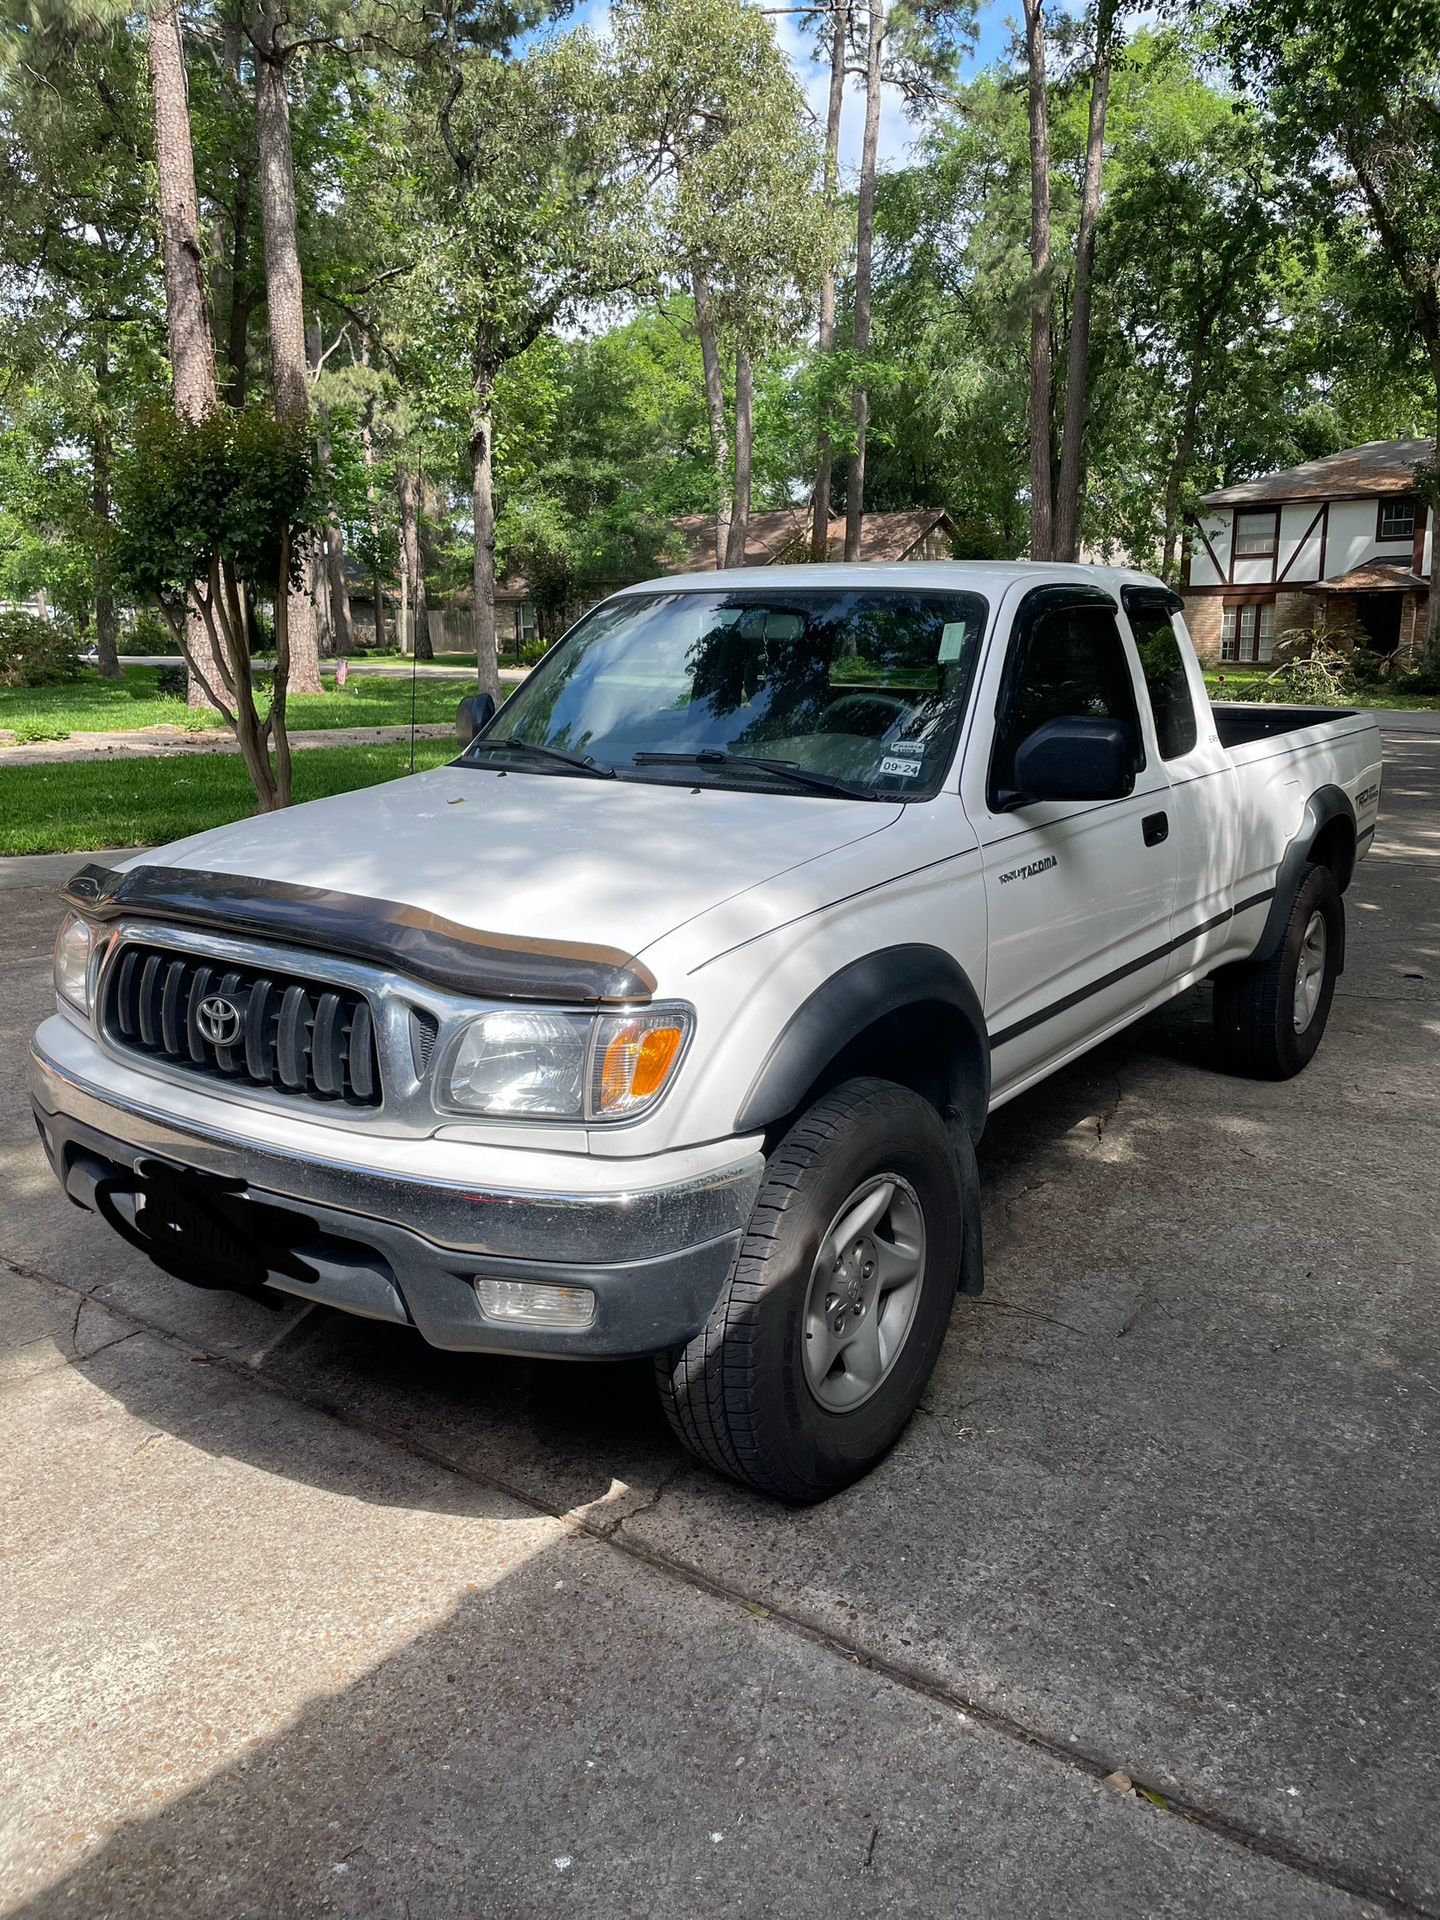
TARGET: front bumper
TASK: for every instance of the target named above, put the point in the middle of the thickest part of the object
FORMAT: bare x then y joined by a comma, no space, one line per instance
655,1253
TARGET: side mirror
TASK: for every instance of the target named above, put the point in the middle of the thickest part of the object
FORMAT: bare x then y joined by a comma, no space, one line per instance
477,710
1076,759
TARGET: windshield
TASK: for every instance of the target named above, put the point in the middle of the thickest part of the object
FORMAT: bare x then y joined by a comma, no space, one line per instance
861,687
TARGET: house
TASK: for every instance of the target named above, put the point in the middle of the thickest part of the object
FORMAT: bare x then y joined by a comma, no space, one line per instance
783,538
1342,543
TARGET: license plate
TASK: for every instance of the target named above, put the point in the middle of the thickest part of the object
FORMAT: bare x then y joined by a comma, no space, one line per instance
198,1219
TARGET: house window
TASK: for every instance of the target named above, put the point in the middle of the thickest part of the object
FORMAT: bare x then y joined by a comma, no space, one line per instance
1247,632
1396,520
1257,534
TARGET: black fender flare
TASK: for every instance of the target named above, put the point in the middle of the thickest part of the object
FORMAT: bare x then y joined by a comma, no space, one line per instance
1326,805
851,1000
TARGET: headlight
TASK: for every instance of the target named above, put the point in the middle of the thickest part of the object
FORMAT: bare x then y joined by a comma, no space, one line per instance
566,1066
73,947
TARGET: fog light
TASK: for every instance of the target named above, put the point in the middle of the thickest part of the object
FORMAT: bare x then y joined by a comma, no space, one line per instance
534,1305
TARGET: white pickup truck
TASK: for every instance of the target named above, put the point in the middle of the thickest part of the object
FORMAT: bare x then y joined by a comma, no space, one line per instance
665,1019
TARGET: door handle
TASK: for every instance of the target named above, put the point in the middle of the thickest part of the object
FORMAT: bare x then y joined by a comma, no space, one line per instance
1156,827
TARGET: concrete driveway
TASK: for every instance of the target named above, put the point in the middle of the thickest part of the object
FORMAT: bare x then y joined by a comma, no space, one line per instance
303,1618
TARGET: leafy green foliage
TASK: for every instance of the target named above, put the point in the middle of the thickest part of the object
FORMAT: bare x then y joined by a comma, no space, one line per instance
234,489
35,652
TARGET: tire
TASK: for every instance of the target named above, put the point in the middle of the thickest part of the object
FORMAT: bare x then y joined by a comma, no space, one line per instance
1267,1023
740,1396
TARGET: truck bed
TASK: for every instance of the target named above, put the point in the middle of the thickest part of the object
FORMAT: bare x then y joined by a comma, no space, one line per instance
1237,723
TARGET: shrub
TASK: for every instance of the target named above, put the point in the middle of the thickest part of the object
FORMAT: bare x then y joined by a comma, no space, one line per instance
1313,673
1370,669
171,683
149,634
1424,679
35,652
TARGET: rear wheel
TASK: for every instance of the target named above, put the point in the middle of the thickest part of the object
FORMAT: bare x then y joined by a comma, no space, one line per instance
835,1312
1270,1015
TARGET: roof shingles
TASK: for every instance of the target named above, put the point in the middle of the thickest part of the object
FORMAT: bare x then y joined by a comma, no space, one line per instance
1379,467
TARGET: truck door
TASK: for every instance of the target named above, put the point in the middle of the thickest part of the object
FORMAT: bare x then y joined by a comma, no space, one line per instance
1078,894
1205,814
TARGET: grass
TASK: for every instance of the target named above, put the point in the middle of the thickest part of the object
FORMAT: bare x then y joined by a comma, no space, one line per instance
129,705
1382,697
129,803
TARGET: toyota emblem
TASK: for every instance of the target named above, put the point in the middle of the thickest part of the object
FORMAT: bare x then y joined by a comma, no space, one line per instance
219,1020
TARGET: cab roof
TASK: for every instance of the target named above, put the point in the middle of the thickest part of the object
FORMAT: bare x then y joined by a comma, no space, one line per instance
988,577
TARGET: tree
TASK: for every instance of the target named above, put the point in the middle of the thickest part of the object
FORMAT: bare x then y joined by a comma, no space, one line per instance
718,125
839,31
521,180
1057,471
82,330
284,289
207,508
914,49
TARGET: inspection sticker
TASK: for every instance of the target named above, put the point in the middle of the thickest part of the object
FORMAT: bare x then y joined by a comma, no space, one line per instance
904,769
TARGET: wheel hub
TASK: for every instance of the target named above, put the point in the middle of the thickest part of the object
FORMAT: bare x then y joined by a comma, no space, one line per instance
1310,971
863,1292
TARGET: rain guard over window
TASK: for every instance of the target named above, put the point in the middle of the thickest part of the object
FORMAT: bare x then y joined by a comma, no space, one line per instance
860,690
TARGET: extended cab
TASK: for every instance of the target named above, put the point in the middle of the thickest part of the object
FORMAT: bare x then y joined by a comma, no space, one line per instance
665,1019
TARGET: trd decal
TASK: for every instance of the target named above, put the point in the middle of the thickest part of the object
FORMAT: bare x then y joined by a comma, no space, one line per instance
1029,873
1364,799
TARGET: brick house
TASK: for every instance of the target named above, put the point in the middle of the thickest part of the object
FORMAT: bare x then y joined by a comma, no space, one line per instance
1342,542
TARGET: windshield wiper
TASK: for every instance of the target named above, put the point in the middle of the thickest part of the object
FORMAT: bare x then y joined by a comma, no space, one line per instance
745,762
582,762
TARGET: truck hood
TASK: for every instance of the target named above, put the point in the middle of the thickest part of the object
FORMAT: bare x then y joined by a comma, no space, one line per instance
541,856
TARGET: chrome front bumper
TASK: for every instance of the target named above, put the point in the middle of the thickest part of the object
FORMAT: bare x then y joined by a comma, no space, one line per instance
409,1250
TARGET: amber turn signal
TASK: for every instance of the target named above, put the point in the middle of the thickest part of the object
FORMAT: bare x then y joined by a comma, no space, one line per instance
635,1058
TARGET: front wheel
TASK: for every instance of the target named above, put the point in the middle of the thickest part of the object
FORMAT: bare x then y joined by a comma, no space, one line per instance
836,1309
1270,1015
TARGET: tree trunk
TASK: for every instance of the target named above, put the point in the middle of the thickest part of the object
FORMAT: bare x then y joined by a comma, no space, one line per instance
487,665
1432,621
284,300
1180,465
1042,512
864,254
744,459
242,301
430,510
715,408
336,598
1077,372
187,317
106,645
417,601
825,452
372,504
341,619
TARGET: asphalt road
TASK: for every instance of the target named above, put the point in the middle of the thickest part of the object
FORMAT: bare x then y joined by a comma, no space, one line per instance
303,1618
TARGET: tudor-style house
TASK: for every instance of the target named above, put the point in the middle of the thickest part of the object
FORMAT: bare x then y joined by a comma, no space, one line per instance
1342,542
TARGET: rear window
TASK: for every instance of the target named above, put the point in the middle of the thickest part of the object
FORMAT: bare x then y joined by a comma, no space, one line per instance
1162,662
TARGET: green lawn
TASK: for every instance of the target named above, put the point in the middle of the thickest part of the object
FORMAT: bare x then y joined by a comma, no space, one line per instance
1237,678
140,803
93,705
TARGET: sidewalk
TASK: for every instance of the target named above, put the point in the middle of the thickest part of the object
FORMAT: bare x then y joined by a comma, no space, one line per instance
169,743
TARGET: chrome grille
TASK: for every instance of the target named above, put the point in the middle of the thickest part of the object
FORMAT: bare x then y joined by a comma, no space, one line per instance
304,1037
